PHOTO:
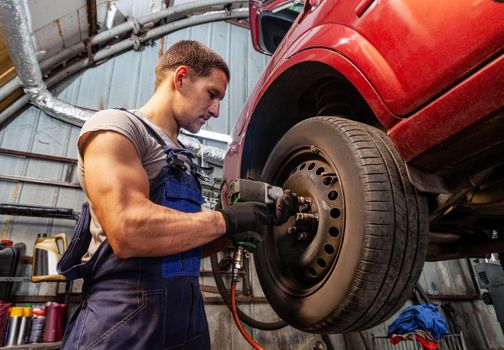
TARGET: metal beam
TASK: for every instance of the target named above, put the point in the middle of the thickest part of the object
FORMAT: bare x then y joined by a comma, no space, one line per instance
92,17
10,152
465,248
39,181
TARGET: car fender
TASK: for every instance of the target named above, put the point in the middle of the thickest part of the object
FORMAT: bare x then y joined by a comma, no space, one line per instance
354,47
331,58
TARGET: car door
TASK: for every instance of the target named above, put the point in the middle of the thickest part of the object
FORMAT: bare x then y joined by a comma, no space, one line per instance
270,20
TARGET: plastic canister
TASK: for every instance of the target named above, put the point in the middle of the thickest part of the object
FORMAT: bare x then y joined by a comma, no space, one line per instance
4,319
46,255
55,322
10,266
7,268
16,315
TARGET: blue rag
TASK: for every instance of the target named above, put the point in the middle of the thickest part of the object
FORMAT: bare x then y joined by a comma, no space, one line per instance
423,316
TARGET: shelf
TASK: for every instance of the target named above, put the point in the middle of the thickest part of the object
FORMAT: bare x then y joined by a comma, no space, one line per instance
46,346
24,279
42,299
15,279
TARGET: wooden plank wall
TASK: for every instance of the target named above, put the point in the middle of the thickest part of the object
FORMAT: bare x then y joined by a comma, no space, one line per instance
7,72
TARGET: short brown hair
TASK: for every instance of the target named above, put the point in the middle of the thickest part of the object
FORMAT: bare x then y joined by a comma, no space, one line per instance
199,58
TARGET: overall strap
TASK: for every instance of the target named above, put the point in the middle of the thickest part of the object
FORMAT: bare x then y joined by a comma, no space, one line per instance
150,130
197,170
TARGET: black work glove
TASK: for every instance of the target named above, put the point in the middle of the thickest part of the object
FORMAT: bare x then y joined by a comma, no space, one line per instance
246,220
248,236
285,207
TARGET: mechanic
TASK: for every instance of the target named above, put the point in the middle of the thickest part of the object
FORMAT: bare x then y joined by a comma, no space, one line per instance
146,229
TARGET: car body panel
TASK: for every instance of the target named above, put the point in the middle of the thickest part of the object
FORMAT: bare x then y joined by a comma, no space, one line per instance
430,127
410,51
428,70
232,163
432,74
430,44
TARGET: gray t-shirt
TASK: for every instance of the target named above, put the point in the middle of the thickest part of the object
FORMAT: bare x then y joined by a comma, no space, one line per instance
149,151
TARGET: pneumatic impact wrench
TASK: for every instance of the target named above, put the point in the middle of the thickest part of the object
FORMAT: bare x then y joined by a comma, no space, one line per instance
243,190
249,190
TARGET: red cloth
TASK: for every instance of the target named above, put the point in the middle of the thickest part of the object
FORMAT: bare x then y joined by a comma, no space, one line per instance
395,339
427,345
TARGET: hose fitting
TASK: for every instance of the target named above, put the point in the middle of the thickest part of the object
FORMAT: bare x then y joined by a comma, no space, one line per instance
242,251
237,262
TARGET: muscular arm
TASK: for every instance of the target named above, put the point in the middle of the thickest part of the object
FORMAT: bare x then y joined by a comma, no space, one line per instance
118,189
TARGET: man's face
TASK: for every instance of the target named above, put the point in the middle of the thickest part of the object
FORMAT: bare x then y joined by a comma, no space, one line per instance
199,100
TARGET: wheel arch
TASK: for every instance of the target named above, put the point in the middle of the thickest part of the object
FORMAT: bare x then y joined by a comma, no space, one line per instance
293,92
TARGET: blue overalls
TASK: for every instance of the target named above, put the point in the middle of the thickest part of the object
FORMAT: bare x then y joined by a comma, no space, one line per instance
140,303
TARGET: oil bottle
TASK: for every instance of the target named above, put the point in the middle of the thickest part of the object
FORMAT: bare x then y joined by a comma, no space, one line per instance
46,254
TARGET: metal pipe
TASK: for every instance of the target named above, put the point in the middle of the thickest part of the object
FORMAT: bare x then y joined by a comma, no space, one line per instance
9,88
466,248
195,20
174,12
443,237
207,153
13,109
454,297
171,13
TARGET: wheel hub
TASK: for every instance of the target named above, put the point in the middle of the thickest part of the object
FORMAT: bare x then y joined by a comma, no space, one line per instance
307,249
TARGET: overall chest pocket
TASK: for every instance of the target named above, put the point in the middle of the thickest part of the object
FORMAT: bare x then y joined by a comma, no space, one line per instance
183,194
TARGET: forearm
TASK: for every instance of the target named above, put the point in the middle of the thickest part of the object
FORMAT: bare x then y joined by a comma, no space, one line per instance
147,229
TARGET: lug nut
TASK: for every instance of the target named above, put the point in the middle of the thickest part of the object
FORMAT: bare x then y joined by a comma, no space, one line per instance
306,217
302,236
304,200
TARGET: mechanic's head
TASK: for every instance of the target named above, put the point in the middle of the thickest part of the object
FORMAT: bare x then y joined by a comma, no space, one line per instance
199,58
197,78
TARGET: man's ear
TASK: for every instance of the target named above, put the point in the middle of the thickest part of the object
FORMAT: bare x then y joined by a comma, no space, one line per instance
181,73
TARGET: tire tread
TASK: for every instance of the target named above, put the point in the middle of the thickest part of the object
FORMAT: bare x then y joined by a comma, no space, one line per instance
402,263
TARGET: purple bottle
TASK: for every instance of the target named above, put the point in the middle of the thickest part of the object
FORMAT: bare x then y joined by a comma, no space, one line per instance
55,322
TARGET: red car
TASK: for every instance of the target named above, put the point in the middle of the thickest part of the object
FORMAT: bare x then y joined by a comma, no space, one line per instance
389,116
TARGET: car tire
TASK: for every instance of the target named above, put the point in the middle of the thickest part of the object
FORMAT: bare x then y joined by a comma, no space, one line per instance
358,264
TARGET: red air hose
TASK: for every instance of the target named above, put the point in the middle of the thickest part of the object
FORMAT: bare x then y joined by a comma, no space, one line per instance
237,319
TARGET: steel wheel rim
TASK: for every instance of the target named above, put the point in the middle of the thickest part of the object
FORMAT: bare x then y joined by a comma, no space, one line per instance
301,267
